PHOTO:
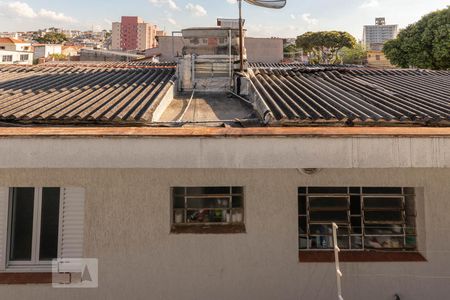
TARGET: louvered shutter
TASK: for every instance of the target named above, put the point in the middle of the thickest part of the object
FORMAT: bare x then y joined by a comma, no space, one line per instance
71,230
4,195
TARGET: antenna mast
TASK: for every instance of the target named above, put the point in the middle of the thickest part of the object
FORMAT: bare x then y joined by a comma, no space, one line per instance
241,38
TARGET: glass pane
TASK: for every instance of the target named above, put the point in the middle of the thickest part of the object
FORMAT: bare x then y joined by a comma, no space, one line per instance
383,229
237,202
178,202
302,190
411,242
303,242
208,202
328,216
383,242
321,242
197,191
302,205
355,190
356,242
49,224
356,225
383,202
327,230
355,205
179,191
208,216
302,225
327,190
382,190
237,190
328,202
383,216
21,224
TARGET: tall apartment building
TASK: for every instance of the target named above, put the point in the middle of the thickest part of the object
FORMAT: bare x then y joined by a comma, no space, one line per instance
132,33
374,36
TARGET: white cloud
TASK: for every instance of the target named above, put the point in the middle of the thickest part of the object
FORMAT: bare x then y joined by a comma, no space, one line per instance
307,18
170,3
196,10
293,17
20,9
370,3
232,1
55,16
172,21
23,10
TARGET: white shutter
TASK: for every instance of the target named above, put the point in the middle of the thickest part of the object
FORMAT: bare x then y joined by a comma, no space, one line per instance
4,199
71,229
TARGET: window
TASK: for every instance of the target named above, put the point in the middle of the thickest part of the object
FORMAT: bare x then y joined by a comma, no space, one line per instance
33,225
7,58
202,207
369,218
377,57
24,57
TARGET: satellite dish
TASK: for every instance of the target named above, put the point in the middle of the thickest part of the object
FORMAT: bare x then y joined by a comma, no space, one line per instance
276,4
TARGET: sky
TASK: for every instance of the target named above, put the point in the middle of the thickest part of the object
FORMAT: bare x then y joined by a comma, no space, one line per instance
296,18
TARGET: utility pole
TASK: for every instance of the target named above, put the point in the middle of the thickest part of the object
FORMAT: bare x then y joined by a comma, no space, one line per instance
241,38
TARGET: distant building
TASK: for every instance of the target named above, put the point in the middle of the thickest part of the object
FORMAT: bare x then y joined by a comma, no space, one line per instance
104,55
374,36
46,50
376,58
14,51
11,44
132,33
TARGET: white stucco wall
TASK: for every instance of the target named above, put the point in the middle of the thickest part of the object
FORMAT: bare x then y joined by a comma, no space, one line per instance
128,224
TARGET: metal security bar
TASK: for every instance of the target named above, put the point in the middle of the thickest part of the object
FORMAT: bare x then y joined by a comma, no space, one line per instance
207,205
369,218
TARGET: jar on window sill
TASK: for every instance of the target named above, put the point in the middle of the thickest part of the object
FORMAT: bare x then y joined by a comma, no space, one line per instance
178,217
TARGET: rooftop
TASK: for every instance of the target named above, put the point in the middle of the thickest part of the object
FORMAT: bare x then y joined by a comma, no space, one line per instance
82,94
353,96
8,40
143,94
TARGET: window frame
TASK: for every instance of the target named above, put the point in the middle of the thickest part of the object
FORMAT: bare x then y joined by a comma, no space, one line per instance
208,227
35,264
405,192
7,58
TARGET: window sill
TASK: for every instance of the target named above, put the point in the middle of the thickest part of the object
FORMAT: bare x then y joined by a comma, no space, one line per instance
208,229
360,256
25,278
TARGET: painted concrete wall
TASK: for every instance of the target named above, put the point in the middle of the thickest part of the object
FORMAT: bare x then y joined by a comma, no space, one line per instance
128,223
264,50
226,152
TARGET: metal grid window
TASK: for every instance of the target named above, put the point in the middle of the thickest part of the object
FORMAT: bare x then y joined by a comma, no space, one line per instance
207,205
7,58
369,218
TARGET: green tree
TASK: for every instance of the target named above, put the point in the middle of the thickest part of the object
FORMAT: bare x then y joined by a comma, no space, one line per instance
291,51
52,38
425,44
324,46
356,55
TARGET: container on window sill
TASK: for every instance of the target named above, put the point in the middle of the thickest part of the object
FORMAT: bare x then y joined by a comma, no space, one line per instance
237,217
179,217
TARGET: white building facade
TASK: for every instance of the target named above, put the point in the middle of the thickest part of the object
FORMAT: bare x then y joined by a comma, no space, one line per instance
374,36
121,208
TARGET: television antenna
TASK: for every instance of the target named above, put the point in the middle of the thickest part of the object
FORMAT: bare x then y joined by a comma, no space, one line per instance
274,4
